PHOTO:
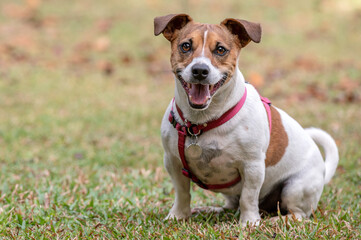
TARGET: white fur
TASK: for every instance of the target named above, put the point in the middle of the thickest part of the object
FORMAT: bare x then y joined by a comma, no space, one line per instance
243,142
204,42
331,152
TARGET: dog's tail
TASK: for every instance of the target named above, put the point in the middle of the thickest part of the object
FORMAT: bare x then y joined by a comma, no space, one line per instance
329,146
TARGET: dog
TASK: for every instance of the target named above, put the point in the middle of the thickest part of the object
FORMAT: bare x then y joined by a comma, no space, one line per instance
221,134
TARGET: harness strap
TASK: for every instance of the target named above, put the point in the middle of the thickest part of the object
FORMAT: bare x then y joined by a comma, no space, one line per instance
190,129
267,105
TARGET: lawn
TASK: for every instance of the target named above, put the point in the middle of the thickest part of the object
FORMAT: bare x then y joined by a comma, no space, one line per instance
83,88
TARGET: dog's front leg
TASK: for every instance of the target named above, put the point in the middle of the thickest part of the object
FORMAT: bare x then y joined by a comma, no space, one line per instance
253,173
181,207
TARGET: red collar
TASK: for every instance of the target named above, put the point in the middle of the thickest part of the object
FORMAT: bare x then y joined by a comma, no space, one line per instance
189,129
196,130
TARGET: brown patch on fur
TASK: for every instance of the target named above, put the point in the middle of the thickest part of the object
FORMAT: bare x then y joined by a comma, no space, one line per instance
278,141
246,31
170,24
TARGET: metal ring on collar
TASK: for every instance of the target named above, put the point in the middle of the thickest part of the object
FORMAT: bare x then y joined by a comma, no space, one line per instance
193,134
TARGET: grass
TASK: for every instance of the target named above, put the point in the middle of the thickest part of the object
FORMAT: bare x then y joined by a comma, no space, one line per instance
83,87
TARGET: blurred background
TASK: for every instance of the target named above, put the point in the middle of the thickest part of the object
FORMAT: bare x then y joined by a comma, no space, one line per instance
84,85
88,78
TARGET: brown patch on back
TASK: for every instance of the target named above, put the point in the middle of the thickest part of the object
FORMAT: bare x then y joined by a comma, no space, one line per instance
278,141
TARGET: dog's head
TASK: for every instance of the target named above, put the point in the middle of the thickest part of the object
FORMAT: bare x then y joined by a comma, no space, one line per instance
204,56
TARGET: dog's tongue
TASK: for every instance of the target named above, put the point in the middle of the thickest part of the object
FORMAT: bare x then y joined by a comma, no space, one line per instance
199,94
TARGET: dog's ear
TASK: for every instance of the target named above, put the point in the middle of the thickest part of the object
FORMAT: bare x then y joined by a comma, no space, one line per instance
244,30
169,24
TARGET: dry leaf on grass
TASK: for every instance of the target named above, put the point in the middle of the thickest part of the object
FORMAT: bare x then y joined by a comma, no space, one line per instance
101,44
105,67
256,79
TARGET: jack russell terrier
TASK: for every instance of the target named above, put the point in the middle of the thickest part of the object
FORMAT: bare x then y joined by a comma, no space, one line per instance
219,133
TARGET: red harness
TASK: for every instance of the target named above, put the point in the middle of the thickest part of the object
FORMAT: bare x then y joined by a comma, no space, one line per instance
190,130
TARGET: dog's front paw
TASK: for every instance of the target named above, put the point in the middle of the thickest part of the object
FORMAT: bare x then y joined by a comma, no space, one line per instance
178,215
250,222
252,219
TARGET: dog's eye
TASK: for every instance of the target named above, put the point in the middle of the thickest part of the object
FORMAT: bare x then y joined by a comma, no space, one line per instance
221,51
185,47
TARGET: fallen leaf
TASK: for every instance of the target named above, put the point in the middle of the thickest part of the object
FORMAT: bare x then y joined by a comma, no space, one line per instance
158,174
101,44
307,63
350,91
105,67
17,11
317,92
104,25
24,42
341,169
256,79
347,84
79,59
126,59
347,97
33,4
46,201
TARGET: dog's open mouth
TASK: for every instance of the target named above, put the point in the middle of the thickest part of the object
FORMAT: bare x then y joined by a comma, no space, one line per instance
199,95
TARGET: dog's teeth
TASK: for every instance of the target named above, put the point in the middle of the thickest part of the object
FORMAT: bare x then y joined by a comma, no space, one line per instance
190,97
189,85
211,87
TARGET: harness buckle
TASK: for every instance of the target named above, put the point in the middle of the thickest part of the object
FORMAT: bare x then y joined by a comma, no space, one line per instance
191,128
266,100
172,119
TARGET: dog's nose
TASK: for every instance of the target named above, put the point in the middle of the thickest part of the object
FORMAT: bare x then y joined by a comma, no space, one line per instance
200,71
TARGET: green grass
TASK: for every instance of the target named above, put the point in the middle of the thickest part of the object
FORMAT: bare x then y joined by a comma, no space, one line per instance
83,87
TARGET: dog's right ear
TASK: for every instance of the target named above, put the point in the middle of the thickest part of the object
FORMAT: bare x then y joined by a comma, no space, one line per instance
244,30
168,25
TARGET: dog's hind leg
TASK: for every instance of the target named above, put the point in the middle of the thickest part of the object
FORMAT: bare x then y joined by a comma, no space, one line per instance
302,192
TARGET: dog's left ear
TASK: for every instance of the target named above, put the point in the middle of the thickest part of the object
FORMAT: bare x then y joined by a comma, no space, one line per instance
169,24
244,30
